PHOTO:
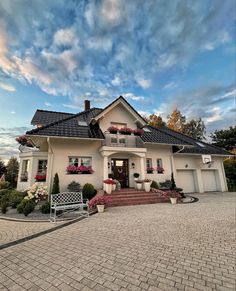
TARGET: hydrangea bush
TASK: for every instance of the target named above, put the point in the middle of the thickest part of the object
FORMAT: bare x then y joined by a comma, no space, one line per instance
37,192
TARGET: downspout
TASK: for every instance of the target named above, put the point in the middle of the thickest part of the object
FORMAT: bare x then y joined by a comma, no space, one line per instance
51,156
172,161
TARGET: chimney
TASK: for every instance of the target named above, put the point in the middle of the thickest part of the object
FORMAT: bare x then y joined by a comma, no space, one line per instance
86,105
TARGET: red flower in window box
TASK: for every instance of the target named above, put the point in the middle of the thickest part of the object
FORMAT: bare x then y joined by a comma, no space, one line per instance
85,170
126,130
160,170
113,129
40,178
72,169
150,170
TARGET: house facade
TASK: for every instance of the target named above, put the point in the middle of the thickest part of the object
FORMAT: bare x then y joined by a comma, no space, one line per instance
79,147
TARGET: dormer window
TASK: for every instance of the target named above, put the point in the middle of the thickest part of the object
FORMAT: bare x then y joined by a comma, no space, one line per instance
82,123
118,125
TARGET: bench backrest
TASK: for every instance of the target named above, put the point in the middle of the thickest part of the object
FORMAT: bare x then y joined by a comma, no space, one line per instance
66,198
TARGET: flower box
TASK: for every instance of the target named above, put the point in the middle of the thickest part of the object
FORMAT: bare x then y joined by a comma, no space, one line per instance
125,130
150,170
113,129
40,178
160,170
79,170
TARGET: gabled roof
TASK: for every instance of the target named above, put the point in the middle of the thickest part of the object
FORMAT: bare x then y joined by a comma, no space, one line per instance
157,135
121,100
199,147
69,127
43,117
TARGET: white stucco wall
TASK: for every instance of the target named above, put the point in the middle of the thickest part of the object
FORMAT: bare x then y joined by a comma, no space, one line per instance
118,114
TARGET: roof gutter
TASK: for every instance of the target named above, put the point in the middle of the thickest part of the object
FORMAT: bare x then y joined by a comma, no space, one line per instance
172,162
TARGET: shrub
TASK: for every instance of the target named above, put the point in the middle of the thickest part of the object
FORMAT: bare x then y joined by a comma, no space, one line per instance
173,185
167,184
88,191
15,198
74,187
154,185
26,207
55,187
4,205
45,208
4,185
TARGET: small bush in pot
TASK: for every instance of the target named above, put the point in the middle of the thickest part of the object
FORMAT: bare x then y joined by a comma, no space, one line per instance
74,187
88,191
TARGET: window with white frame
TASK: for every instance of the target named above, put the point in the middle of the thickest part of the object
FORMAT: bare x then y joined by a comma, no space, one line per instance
118,124
42,167
159,162
24,170
80,161
149,166
160,169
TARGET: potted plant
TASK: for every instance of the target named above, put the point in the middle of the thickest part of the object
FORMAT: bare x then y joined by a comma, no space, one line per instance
139,184
100,202
150,170
125,130
85,170
113,129
108,185
72,169
138,132
147,184
160,170
40,177
173,195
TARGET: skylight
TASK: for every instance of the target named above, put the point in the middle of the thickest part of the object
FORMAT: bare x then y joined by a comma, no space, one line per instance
82,123
146,129
200,144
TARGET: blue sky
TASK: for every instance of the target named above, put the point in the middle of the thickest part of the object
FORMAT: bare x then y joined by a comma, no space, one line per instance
158,54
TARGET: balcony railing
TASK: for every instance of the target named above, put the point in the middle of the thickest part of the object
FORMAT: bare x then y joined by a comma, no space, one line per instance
121,140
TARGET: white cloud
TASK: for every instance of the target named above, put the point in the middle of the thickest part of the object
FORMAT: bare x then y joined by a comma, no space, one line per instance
116,81
170,85
111,11
133,97
72,106
65,37
216,115
47,104
13,112
7,87
166,60
99,43
144,83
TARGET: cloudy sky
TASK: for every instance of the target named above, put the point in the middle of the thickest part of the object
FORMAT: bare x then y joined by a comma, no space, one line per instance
159,54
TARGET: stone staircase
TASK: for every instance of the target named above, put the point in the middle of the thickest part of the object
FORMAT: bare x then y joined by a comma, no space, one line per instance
130,196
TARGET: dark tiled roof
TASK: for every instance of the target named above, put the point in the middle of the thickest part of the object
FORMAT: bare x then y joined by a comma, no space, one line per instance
157,135
69,127
44,117
200,147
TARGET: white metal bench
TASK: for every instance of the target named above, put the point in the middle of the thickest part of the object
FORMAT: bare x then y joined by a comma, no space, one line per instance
68,202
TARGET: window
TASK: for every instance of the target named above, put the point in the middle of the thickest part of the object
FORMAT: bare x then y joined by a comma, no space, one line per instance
159,162
149,166
160,169
24,171
82,123
80,161
42,167
118,125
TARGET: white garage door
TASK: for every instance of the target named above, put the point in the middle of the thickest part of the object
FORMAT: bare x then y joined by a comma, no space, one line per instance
209,180
185,180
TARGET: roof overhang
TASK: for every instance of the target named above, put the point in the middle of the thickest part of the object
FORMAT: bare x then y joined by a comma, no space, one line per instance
126,105
63,137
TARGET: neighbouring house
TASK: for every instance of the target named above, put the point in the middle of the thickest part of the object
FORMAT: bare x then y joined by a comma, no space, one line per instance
90,145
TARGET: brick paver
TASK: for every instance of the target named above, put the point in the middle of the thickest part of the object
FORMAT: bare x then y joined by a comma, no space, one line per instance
146,247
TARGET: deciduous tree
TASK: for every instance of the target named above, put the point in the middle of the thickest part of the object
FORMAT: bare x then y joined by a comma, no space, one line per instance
176,120
12,171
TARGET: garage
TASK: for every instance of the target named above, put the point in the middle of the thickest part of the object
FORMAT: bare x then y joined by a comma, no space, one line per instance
209,180
185,180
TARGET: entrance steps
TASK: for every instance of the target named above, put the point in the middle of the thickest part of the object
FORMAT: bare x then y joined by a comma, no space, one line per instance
130,196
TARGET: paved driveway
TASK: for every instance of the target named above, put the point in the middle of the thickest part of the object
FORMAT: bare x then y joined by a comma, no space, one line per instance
148,247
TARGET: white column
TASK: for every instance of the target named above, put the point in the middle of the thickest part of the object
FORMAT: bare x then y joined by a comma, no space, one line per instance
105,167
142,168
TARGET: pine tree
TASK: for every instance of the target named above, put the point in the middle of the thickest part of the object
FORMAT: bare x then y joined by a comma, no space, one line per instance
55,187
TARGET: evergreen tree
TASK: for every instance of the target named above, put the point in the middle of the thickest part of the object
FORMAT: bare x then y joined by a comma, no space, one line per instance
12,170
55,187
2,168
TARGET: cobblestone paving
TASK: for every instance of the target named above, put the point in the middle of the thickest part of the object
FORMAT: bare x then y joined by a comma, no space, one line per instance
147,247
14,230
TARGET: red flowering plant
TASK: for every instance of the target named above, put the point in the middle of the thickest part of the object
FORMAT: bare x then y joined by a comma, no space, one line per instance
109,182
40,177
160,170
113,129
99,200
150,170
72,169
138,131
85,170
24,141
172,194
125,130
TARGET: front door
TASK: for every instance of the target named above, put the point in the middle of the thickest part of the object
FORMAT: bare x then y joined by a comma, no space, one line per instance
120,171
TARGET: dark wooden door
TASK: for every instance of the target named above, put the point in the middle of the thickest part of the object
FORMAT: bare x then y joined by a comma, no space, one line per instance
120,171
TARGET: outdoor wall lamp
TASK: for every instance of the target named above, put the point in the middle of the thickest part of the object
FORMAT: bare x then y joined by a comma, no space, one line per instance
133,165
109,165
186,166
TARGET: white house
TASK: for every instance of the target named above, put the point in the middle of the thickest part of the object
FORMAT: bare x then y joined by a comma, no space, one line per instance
63,139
